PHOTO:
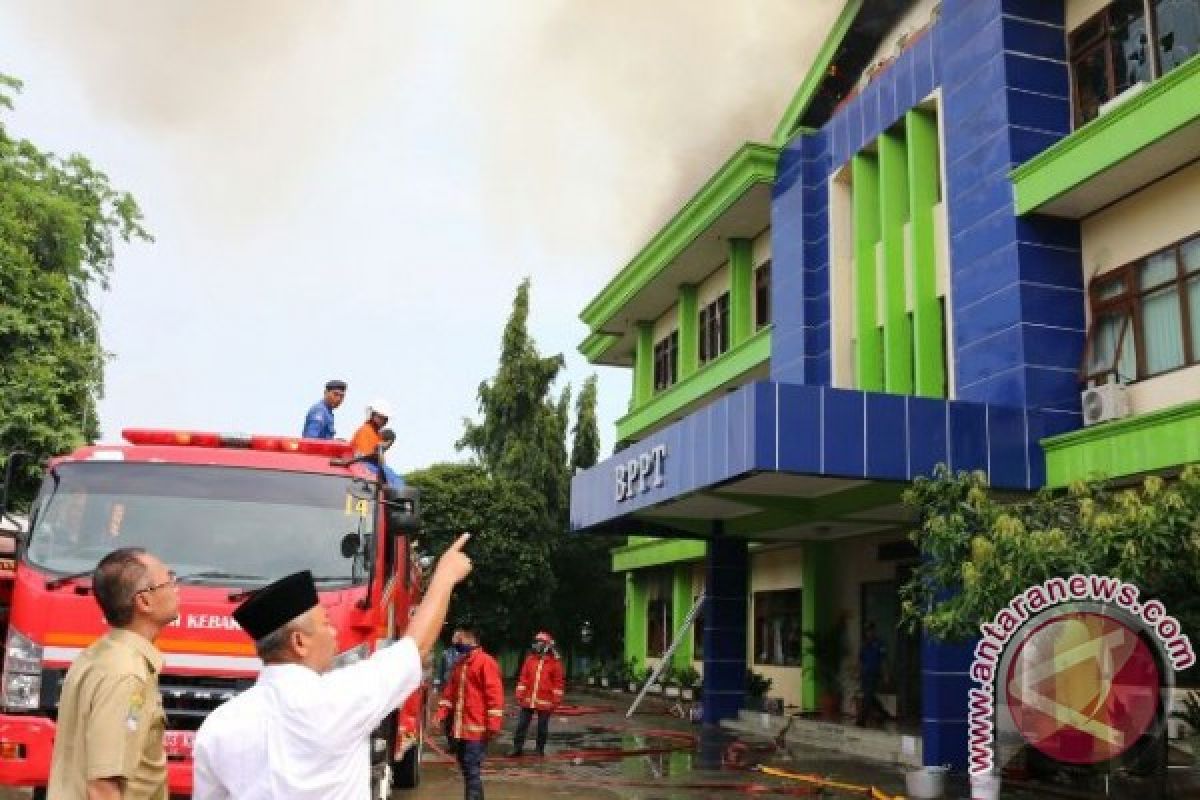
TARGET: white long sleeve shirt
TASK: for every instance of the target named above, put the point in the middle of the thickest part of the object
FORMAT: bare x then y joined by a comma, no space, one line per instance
299,735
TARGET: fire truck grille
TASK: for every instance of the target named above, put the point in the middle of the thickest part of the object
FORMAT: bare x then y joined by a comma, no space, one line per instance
188,699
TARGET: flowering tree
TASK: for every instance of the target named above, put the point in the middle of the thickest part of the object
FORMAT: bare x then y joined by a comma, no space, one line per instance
982,549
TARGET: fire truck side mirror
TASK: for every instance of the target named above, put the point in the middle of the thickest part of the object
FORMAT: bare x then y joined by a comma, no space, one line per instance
403,507
351,545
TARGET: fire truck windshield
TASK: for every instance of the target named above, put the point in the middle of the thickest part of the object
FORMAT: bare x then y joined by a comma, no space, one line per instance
212,525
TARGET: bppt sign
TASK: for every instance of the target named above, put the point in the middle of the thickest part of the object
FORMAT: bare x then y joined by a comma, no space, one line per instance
641,473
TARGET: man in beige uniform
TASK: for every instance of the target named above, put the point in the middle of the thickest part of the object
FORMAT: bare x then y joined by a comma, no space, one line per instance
109,742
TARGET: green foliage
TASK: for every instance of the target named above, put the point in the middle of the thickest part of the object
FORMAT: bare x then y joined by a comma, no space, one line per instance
827,648
522,435
508,593
688,677
982,552
757,684
585,443
59,219
1190,713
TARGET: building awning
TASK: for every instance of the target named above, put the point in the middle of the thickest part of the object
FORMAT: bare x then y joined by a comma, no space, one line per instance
774,461
1153,133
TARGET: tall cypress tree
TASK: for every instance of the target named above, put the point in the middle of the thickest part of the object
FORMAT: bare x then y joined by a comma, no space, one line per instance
522,430
585,444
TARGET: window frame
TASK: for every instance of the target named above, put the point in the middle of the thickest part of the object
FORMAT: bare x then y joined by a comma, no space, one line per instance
713,329
666,361
1080,46
762,295
757,597
1129,303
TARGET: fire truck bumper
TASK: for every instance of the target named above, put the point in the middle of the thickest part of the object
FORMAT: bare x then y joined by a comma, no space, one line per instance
26,744
179,777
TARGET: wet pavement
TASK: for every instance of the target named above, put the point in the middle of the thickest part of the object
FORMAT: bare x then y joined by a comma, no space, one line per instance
600,755
654,756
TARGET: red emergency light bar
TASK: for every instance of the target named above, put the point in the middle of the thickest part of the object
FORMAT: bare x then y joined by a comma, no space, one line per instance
270,444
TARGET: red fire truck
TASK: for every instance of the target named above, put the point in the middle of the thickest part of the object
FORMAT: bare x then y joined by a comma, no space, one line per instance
228,513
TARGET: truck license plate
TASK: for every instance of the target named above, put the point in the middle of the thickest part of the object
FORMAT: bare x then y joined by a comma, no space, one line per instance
178,744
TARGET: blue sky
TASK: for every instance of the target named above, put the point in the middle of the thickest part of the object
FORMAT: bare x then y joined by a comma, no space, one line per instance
355,189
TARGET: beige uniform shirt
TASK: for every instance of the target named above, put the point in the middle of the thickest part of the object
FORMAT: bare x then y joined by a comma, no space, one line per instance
111,721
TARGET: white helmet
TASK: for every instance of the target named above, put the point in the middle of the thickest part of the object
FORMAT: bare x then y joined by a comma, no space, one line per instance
379,406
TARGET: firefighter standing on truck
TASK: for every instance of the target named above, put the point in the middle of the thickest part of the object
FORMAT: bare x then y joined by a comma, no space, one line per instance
472,709
369,436
539,689
318,422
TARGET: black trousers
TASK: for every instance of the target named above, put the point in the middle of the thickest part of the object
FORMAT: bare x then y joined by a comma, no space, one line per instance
543,729
470,762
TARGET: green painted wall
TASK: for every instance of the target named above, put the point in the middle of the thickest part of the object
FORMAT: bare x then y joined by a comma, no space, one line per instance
689,341
923,183
643,365
741,291
893,212
868,350
635,619
681,604
1155,441
816,610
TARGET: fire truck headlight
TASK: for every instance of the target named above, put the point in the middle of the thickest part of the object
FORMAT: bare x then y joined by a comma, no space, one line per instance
22,692
21,683
22,654
352,656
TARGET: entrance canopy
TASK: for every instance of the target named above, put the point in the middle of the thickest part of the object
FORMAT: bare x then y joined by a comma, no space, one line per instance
777,461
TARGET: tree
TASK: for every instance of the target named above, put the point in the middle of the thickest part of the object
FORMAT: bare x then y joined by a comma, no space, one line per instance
522,433
981,553
585,560
59,219
508,595
585,444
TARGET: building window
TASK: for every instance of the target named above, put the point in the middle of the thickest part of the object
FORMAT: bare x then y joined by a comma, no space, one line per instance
666,361
1112,51
1146,316
659,612
714,329
658,626
777,623
762,296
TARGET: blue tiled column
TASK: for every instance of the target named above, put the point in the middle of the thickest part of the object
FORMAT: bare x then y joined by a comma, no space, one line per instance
800,262
1016,282
728,578
945,681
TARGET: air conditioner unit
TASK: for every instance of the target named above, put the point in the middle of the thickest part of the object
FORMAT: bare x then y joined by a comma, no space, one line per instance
1103,403
1124,97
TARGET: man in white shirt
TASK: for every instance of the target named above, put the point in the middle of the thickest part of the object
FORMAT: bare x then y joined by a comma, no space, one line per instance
300,733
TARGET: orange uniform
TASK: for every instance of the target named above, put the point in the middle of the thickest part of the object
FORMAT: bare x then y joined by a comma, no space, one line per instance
540,685
473,698
366,440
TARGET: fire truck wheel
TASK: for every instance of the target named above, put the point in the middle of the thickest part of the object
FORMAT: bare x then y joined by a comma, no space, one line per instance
406,773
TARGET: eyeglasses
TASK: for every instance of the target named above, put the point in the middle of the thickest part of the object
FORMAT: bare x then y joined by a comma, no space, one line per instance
171,580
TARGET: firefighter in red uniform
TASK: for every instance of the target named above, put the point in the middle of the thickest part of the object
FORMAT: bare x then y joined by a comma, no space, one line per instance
540,689
472,709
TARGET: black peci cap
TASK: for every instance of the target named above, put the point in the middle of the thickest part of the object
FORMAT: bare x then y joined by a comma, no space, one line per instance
339,386
276,604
